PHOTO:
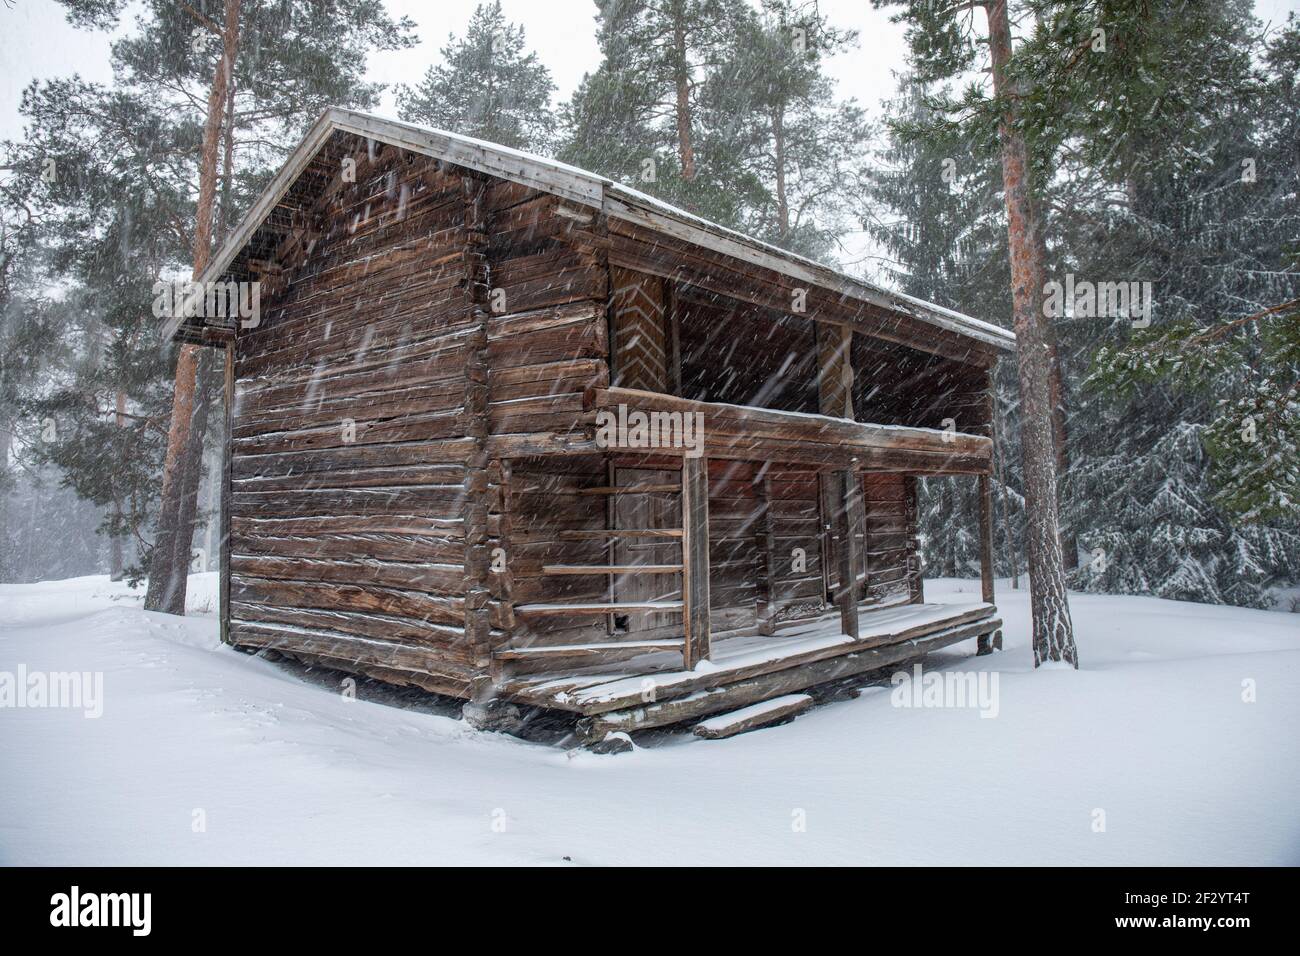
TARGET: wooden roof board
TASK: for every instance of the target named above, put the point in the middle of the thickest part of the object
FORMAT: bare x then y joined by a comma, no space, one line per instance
574,185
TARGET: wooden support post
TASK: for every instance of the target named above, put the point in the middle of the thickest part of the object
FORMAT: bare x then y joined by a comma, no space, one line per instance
915,570
826,509
672,315
986,538
849,527
984,645
765,566
835,371
228,393
695,560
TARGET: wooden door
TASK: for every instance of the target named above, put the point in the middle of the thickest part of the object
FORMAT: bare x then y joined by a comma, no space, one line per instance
656,510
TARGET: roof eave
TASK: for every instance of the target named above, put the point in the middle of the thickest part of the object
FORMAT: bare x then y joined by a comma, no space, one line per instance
580,187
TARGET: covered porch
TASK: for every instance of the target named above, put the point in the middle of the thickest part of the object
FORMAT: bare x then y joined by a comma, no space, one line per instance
702,658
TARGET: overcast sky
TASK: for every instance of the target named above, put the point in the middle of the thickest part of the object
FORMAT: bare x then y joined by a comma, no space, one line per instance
36,42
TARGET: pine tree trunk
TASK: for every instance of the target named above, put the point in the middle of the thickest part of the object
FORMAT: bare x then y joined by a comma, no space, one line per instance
169,562
116,563
7,564
1060,427
682,79
782,202
1053,632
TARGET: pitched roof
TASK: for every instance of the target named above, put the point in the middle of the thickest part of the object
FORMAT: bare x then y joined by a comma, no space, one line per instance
578,186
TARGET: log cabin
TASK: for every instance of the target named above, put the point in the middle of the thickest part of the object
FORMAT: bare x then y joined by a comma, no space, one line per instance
423,478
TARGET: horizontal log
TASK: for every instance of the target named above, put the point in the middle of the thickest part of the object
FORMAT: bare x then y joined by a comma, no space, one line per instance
766,713
429,577
786,426
607,650
773,684
601,607
594,700
612,569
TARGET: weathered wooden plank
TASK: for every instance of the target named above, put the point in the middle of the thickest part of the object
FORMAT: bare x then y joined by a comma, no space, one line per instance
228,404
774,710
603,651
794,676
598,607
986,537
695,559
848,525
612,569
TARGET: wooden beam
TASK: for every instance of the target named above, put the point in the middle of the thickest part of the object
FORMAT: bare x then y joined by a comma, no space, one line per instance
673,316
835,371
788,680
695,560
765,561
228,395
763,714
849,523
915,571
986,538
835,437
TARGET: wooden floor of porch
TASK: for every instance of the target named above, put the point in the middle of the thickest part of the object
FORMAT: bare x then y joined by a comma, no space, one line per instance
754,667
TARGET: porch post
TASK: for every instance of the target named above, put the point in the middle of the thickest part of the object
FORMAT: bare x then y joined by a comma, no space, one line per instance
986,538
848,528
228,444
986,643
695,560
765,568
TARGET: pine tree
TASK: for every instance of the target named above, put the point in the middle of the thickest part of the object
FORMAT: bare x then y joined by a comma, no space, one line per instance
635,119
486,86
774,110
943,45
117,219
933,205
282,57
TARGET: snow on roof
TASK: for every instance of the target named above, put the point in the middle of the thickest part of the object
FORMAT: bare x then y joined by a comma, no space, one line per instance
587,188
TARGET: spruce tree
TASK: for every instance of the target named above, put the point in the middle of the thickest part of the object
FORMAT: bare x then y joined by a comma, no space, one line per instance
486,86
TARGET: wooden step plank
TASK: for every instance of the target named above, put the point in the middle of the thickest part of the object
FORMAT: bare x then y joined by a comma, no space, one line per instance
621,533
638,715
611,569
604,650
752,717
601,608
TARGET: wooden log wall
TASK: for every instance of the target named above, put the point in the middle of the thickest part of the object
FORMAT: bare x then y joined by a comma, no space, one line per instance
547,500
410,447
548,341
891,545
548,337
347,541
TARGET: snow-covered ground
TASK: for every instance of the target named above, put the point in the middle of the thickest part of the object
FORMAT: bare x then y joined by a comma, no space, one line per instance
206,755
